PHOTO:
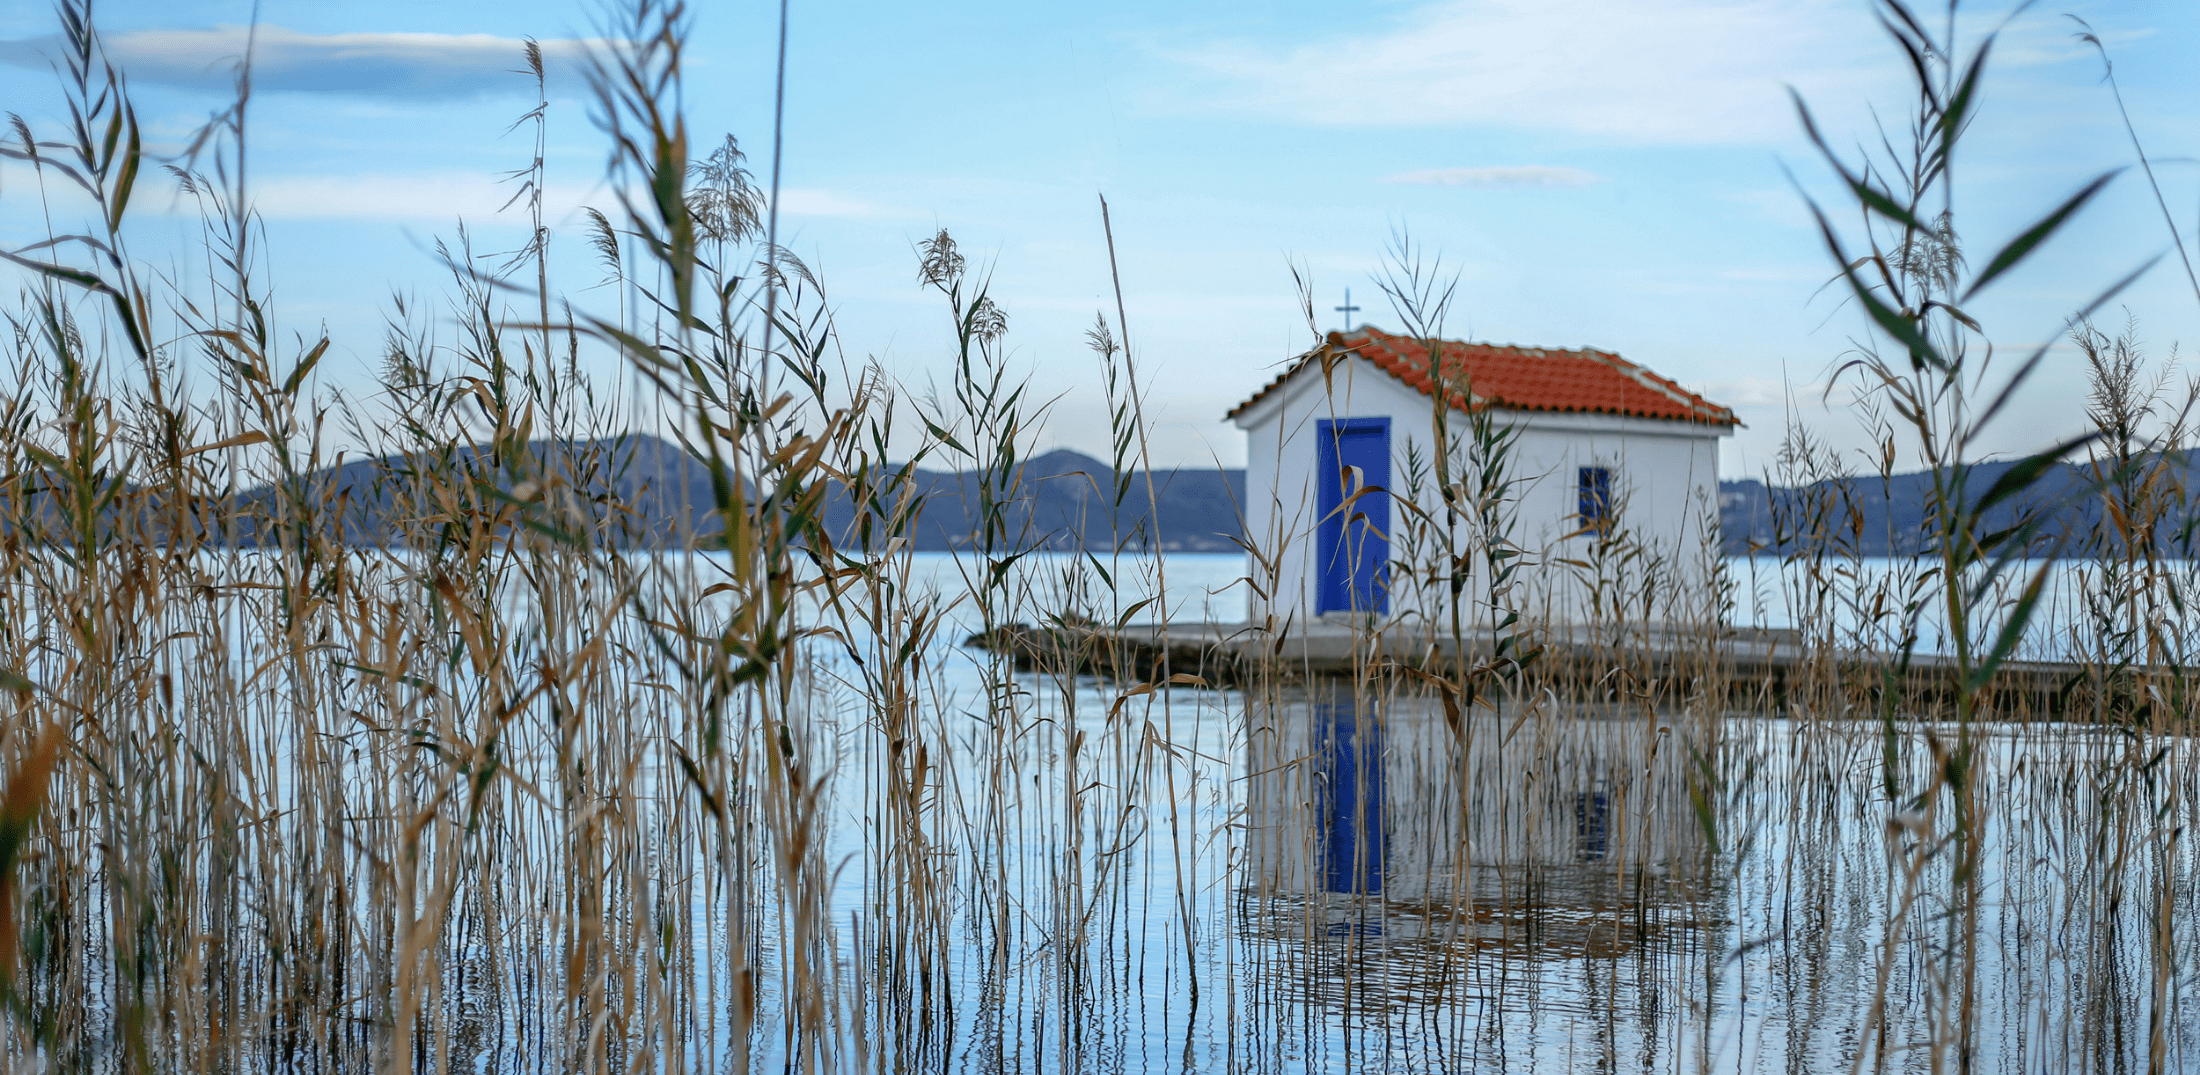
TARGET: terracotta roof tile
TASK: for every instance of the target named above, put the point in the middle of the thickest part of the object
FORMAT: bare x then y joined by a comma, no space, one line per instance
1518,378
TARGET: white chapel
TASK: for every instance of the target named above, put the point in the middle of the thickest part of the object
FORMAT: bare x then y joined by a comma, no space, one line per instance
1603,453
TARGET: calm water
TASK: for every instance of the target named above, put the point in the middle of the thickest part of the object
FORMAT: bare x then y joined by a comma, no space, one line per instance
1641,890
1149,881
1864,601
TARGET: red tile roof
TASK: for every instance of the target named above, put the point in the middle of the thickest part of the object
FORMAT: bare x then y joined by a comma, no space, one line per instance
1517,378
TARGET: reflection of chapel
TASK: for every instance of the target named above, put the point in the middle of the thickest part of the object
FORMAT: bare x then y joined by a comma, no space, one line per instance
1602,443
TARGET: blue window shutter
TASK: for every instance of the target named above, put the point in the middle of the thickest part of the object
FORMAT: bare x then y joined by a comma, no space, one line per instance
1595,501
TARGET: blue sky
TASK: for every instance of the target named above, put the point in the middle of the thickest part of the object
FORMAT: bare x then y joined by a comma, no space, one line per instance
1598,172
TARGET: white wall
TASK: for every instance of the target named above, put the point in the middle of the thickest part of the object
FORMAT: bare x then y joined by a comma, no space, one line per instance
1664,479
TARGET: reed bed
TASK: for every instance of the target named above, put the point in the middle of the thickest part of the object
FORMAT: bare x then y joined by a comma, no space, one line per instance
483,747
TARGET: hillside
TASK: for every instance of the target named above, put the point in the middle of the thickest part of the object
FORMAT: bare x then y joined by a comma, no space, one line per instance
663,494
1066,502
1892,517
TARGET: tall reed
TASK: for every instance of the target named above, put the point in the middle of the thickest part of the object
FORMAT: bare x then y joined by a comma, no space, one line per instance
531,732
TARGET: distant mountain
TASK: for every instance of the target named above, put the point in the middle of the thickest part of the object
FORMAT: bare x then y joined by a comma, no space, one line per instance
664,494
646,487
1893,517
1066,500
659,494
643,484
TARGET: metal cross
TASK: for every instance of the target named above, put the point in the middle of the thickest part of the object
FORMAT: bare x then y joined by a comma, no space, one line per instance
1347,309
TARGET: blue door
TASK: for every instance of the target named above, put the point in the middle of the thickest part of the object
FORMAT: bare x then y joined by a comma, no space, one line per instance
1352,546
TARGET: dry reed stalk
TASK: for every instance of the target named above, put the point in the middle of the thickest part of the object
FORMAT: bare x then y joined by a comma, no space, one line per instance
471,759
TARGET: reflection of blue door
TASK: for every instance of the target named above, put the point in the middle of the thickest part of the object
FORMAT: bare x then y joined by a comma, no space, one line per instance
1353,858
1352,474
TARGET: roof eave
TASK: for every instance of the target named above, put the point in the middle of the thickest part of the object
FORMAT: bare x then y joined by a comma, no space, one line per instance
1720,417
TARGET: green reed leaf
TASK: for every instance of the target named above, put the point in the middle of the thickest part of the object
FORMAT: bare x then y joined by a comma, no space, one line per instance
2030,239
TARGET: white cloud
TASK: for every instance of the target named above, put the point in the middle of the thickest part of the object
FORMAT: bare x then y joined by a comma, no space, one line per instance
1676,71
1746,392
400,65
1784,206
1774,392
442,197
824,203
475,196
1500,177
2038,41
429,197
1780,274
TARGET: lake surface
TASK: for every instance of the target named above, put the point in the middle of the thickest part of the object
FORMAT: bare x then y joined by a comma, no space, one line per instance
1863,601
972,868
1640,890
